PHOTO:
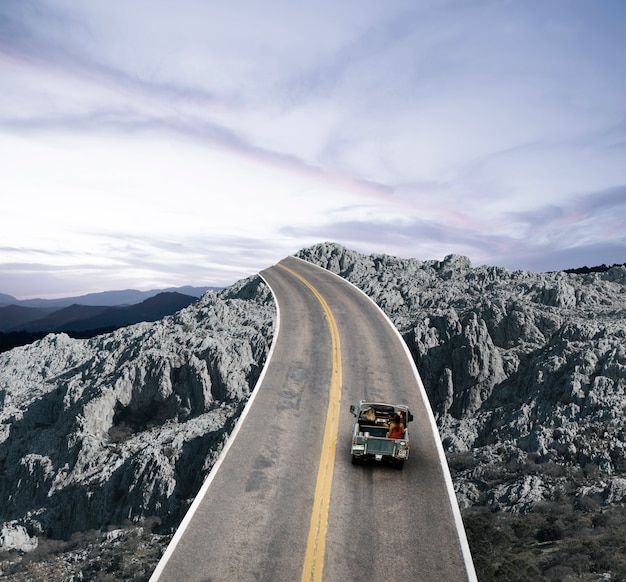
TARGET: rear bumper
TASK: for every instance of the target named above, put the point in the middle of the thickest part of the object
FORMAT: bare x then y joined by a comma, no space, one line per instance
363,454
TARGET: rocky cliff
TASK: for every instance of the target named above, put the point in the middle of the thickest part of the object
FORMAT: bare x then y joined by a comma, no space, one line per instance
516,364
526,374
125,426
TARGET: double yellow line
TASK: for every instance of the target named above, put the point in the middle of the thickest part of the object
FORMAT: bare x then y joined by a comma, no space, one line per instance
316,543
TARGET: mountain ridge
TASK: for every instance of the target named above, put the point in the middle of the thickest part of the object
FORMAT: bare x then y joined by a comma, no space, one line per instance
23,325
525,372
78,317
104,298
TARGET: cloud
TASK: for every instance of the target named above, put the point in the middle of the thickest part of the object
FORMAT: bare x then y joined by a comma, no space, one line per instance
67,80
145,141
599,210
140,263
373,42
552,238
557,259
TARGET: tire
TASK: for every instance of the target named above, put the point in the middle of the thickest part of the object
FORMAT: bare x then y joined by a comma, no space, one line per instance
398,464
356,460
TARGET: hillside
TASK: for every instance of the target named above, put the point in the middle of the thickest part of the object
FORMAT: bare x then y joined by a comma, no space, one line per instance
99,434
84,317
526,374
21,325
106,298
104,442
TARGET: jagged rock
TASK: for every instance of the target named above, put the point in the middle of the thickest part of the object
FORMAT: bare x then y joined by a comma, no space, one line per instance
533,364
15,537
615,492
126,425
520,496
526,374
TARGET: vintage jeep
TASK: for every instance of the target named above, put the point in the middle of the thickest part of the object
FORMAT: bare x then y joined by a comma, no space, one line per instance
370,440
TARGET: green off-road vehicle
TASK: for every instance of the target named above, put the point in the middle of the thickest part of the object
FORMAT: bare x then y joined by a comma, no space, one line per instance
371,439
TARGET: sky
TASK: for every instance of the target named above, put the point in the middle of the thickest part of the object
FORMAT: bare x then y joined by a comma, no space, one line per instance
159,143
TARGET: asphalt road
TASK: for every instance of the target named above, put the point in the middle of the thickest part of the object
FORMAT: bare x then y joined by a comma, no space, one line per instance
253,519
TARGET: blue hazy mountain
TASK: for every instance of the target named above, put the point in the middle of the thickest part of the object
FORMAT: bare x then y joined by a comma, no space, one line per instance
119,297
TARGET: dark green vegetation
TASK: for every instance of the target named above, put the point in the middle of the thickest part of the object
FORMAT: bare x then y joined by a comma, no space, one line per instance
555,542
14,339
123,554
560,539
599,269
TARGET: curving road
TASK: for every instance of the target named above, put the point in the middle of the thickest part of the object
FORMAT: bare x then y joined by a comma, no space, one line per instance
268,512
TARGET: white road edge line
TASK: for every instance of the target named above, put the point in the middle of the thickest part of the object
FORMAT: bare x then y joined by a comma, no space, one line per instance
207,483
467,555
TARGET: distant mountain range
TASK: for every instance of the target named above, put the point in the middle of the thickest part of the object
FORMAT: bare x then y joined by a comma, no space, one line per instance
120,297
22,322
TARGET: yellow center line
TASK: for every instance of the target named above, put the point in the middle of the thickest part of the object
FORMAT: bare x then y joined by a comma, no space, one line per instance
314,558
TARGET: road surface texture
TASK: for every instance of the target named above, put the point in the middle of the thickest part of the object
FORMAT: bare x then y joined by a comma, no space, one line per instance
269,513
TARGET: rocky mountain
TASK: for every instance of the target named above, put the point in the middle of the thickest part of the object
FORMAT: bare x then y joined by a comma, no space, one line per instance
517,361
108,298
7,299
15,317
123,427
78,317
526,374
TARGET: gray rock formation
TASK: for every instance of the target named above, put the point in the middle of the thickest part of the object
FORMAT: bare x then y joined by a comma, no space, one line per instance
522,369
125,426
526,374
